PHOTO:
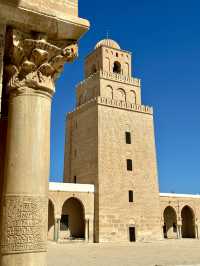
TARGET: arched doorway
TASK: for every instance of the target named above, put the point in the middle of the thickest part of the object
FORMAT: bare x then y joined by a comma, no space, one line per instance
188,222
50,220
170,223
72,225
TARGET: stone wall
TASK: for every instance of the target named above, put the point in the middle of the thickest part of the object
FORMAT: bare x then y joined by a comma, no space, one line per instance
63,8
111,86
117,214
81,156
107,168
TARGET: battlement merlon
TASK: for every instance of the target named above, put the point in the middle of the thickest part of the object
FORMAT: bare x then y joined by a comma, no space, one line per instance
112,103
111,76
58,19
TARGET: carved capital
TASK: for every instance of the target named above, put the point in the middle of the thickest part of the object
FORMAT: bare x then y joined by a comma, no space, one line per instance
33,62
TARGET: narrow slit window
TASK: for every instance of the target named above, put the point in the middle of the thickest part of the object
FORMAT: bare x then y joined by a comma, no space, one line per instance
129,164
130,195
132,237
128,137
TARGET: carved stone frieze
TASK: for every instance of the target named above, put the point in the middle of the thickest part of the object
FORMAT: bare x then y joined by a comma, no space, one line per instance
25,224
34,62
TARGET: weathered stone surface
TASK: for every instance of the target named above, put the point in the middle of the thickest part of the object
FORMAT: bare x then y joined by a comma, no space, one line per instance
41,36
58,24
108,105
25,224
62,8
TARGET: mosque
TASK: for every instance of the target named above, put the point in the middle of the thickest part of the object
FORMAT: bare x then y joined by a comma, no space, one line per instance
110,191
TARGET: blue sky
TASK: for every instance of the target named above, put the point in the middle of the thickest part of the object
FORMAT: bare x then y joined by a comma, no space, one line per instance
164,37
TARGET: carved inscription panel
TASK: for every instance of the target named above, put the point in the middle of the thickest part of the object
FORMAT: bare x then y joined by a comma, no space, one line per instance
25,224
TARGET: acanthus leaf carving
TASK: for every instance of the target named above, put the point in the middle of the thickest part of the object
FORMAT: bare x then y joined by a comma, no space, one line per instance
35,63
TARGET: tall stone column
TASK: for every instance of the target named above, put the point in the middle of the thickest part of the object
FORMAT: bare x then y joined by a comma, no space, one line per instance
32,65
57,228
87,229
179,226
3,117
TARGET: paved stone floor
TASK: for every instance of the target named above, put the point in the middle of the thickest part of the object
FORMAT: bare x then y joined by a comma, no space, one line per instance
163,253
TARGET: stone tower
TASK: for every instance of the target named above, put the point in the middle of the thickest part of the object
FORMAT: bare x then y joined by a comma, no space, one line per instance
110,143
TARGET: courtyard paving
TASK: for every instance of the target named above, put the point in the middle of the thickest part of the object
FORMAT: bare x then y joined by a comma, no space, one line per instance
162,253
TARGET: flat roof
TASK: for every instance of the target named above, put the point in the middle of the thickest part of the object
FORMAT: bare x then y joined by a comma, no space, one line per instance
71,187
179,195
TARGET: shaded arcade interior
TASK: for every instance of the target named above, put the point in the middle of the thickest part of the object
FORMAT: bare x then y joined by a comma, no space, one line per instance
71,212
188,223
72,224
185,228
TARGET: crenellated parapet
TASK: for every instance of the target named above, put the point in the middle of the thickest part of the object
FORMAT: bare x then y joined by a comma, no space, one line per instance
125,105
117,104
111,76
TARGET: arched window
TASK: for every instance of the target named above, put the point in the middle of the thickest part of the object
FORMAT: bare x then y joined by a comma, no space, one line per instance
121,94
117,67
108,92
132,96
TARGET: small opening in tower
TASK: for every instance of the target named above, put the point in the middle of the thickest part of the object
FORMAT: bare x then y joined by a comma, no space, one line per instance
129,164
132,237
94,69
117,67
130,194
128,137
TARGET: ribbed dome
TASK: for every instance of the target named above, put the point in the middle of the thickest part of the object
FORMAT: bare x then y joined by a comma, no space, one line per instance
109,43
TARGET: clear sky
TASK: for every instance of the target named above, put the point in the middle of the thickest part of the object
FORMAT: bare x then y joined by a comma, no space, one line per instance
164,37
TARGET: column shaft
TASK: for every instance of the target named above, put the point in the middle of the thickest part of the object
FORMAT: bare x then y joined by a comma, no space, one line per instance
2,47
55,231
25,195
86,229
58,229
31,67
196,231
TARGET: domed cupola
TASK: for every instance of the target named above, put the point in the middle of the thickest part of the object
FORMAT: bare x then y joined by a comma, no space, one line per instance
108,43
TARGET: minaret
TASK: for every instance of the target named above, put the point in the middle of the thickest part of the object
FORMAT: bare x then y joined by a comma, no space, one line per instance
110,143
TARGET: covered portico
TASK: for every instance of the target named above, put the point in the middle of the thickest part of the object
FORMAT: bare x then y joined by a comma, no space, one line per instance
180,215
71,212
